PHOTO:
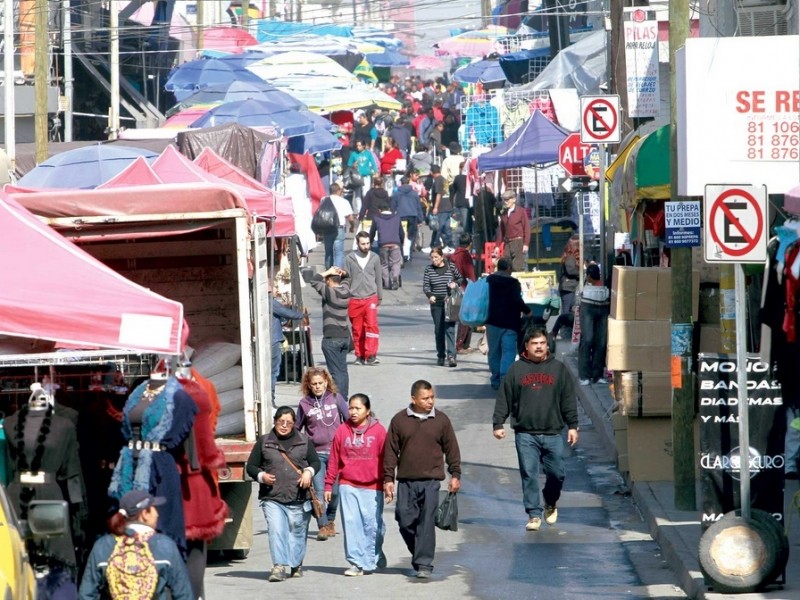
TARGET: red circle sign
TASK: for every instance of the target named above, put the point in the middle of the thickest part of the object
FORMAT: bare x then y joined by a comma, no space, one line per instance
606,118
571,154
733,220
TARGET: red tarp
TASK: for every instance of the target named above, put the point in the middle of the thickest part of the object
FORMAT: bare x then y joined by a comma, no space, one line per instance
55,291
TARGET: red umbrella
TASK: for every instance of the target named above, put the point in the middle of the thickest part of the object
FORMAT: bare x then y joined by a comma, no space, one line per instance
227,39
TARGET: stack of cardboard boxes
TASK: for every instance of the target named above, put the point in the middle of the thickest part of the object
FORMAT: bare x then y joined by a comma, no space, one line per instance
639,349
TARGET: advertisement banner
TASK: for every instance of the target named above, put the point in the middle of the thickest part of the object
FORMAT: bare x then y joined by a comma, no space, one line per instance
641,60
720,452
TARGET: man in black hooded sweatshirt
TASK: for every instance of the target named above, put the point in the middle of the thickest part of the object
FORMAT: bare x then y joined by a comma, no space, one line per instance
539,393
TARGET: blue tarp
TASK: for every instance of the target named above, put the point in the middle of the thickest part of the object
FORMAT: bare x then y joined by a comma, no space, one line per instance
269,30
517,66
534,143
388,58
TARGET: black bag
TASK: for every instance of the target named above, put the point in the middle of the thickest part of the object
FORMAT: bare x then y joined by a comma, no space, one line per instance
352,178
452,304
326,220
447,513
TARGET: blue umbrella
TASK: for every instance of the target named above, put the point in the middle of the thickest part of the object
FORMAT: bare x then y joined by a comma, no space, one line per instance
321,139
472,72
388,58
195,75
234,91
258,113
84,168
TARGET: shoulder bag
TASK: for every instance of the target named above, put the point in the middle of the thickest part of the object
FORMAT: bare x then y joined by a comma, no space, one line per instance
316,505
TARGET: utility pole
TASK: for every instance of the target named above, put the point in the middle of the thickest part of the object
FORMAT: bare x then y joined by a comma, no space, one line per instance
41,71
113,111
681,264
68,77
201,23
10,116
486,12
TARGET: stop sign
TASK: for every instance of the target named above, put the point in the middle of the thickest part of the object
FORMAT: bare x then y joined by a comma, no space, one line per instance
571,154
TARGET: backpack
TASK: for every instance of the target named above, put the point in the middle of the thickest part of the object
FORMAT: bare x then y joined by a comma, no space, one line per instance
475,303
131,572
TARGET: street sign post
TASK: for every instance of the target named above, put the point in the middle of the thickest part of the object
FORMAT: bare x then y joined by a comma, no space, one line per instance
735,228
600,122
571,154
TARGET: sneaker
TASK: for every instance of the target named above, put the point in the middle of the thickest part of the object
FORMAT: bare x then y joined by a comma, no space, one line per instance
601,381
277,574
297,571
354,571
585,382
359,361
534,523
550,514
448,250
423,574
440,362
372,360
426,250
382,562
451,361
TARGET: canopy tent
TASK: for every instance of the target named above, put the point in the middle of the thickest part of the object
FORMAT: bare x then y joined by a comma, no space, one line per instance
325,94
534,143
272,29
344,51
62,294
646,175
293,63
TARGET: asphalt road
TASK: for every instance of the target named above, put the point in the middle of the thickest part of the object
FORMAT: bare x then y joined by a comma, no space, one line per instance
600,547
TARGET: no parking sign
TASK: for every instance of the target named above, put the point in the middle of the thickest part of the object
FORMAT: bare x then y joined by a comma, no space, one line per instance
735,223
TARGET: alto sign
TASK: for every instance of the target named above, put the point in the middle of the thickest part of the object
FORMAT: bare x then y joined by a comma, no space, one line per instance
572,153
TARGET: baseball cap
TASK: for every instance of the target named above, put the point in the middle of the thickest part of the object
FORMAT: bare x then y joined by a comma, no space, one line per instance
134,502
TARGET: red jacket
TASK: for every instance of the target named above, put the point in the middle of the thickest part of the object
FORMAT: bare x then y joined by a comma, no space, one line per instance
463,261
357,458
514,226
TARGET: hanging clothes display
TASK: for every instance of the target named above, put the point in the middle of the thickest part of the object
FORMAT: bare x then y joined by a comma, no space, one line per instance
157,419
44,465
481,125
513,113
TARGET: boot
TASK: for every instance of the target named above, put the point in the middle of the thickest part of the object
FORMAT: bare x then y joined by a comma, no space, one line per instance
331,528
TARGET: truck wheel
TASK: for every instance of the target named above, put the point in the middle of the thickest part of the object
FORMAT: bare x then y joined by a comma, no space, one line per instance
738,555
775,530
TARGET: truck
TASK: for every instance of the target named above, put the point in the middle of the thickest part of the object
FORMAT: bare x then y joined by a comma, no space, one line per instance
197,245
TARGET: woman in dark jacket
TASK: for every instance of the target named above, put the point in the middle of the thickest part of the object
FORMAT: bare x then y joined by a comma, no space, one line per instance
283,494
438,279
374,197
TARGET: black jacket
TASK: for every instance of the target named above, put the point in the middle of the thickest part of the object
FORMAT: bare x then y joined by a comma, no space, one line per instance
505,301
267,456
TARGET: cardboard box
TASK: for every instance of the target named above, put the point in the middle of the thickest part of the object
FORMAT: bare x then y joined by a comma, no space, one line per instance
650,449
645,293
644,394
638,345
623,463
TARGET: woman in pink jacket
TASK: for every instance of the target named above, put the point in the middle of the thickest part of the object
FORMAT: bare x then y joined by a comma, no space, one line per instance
357,460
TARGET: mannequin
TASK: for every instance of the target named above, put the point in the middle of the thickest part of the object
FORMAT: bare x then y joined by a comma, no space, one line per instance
156,420
44,465
204,510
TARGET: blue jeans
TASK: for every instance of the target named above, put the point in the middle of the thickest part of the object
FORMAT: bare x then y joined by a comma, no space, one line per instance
531,450
288,529
363,526
277,356
319,488
502,352
334,249
445,233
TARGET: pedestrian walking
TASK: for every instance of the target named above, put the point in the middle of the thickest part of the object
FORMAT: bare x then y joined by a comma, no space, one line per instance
462,259
419,441
538,392
438,279
503,323
284,462
568,281
388,229
320,412
280,314
366,292
334,241
134,560
514,232
594,311
357,460
334,287
441,209
406,203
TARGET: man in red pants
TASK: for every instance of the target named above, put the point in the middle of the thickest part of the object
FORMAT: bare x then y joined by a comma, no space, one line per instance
366,289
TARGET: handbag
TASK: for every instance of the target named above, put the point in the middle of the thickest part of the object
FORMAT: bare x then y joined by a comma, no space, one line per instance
452,304
352,179
447,513
316,505
326,220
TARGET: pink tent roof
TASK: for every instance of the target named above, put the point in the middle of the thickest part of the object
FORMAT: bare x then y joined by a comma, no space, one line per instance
282,208
61,293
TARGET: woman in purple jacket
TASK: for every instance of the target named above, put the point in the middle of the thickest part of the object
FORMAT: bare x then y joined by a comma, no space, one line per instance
320,412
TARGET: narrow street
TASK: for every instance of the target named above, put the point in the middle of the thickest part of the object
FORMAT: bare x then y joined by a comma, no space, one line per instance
599,548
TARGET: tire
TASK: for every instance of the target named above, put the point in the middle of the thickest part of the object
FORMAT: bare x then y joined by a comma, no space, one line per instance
739,556
774,529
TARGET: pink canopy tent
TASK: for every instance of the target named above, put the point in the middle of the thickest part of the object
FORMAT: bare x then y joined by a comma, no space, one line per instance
62,294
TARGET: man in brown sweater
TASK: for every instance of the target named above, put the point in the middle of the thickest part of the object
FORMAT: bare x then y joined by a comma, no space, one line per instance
420,469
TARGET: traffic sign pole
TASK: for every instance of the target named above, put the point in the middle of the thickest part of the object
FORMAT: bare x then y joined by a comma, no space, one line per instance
602,192
744,403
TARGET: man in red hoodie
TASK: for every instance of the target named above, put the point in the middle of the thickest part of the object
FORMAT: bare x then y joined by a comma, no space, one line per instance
462,259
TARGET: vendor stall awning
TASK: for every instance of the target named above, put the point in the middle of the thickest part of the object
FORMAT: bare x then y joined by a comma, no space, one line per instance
55,291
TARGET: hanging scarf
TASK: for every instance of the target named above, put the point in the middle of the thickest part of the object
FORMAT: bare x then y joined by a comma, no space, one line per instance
133,473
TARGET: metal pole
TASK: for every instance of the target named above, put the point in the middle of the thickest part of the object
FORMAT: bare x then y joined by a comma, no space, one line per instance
741,380
579,197
113,112
605,267
68,76
10,117
41,79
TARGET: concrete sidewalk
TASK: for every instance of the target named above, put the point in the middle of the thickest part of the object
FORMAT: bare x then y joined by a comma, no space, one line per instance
678,532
